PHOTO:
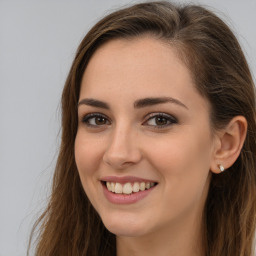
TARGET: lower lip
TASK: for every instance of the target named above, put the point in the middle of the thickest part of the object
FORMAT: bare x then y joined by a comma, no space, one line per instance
126,199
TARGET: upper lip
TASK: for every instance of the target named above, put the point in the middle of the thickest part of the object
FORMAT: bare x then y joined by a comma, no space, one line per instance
125,179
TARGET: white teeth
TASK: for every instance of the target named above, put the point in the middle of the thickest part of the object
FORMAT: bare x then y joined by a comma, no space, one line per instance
128,188
118,188
109,186
112,187
136,187
142,186
147,185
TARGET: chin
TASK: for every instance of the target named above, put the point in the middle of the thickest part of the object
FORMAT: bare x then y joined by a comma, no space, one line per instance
125,227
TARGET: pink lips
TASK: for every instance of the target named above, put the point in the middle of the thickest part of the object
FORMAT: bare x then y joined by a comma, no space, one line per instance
122,198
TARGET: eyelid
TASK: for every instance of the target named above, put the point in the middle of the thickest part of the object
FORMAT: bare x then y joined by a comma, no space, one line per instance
173,120
87,117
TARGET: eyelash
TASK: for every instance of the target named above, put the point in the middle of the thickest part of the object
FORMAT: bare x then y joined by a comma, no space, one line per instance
86,119
170,120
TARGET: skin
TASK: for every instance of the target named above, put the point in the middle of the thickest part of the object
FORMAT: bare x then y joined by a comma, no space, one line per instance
129,141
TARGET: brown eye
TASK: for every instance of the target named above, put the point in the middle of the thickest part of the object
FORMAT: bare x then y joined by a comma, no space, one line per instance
160,120
95,120
100,120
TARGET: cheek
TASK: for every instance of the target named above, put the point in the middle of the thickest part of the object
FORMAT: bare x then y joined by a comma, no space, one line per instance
183,161
87,155
181,151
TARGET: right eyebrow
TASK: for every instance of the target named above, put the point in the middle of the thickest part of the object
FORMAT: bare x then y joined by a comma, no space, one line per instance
93,103
146,102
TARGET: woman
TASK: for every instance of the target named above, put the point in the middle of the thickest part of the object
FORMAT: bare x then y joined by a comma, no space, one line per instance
158,140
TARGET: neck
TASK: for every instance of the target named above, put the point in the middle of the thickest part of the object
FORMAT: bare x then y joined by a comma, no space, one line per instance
179,240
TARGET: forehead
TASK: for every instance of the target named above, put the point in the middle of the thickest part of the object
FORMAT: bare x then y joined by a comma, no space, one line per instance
141,67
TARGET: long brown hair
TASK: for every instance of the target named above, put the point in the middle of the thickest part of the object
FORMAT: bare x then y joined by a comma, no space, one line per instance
70,225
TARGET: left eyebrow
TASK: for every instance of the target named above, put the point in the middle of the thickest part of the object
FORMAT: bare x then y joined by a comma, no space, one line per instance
146,102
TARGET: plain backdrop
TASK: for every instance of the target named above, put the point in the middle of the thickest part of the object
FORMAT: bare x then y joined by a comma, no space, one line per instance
38,40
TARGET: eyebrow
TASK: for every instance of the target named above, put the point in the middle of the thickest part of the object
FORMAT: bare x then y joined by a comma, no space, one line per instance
141,103
154,101
94,103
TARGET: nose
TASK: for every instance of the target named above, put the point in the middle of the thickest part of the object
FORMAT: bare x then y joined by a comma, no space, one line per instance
122,150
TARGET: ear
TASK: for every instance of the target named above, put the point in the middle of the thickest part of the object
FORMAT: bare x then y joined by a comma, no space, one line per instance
228,144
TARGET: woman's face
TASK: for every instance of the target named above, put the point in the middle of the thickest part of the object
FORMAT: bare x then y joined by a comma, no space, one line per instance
144,132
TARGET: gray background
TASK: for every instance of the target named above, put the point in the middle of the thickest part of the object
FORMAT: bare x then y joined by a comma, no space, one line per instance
38,40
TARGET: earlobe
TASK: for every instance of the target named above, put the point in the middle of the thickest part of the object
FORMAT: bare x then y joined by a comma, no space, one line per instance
230,142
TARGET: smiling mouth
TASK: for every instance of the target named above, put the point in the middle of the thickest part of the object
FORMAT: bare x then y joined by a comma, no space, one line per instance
128,188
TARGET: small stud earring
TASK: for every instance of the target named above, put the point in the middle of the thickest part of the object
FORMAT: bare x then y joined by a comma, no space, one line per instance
222,169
